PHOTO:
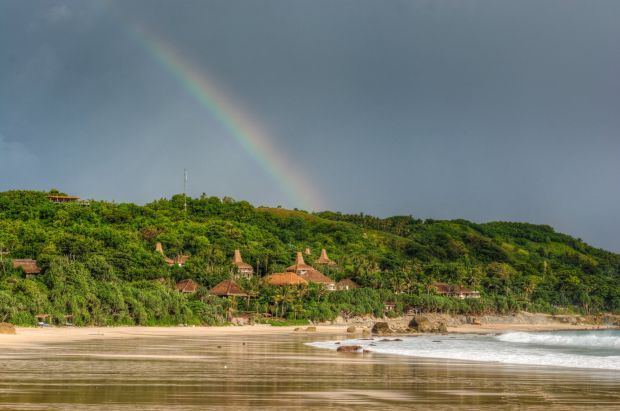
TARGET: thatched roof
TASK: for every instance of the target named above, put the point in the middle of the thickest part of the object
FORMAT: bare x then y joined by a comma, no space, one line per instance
443,288
27,265
288,278
346,284
187,286
238,262
62,199
228,288
313,276
300,264
324,259
179,260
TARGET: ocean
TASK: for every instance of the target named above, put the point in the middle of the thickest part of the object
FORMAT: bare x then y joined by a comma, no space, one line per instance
574,349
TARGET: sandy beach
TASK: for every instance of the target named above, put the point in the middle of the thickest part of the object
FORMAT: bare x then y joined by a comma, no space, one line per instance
26,336
265,367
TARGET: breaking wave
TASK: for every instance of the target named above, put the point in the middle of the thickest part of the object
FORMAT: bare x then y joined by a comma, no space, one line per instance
571,339
580,349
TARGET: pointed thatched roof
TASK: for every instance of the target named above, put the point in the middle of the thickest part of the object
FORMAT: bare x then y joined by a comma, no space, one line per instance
187,286
324,259
308,251
300,264
160,249
288,278
238,262
228,288
27,265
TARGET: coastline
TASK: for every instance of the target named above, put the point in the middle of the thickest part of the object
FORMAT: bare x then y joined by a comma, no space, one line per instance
29,337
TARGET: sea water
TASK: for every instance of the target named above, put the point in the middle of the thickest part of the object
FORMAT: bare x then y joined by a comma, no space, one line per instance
576,349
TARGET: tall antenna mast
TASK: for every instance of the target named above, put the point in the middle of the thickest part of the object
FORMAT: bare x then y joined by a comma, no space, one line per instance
184,190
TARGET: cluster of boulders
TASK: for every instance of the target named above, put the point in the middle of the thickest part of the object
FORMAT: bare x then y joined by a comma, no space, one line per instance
419,324
425,325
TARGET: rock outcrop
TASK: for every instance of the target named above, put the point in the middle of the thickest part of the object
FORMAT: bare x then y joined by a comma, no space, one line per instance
425,325
351,329
350,348
381,328
6,328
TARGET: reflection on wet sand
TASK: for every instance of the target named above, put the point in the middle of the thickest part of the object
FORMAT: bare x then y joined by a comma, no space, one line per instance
279,371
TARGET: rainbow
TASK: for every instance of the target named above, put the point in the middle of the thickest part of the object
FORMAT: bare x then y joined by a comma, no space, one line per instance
246,132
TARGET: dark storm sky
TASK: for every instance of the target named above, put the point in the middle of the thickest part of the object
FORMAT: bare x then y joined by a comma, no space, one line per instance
484,110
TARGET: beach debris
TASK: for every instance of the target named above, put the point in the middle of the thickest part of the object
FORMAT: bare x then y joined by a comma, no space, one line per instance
311,329
381,328
351,329
349,348
7,328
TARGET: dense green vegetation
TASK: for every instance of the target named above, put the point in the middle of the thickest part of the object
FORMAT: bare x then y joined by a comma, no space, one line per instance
100,266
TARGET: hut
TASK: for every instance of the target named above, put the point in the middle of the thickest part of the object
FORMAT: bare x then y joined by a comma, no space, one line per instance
187,286
464,293
389,305
160,249
43,319
284,279
228,288
243,269
180,260
308,251
314,276
300,265
455,291
28,266
63,199
346,284
309,274
325,260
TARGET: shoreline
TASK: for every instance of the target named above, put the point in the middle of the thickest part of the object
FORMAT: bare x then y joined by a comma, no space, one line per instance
27,337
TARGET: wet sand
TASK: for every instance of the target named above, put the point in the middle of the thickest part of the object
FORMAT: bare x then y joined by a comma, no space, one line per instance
241,368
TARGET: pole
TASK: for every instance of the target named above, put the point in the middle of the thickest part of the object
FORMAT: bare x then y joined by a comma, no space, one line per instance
184,191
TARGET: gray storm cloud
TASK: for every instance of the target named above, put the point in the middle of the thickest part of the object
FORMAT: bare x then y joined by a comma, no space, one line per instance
485,110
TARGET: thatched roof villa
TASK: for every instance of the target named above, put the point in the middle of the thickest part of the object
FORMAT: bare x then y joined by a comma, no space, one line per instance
187,286
300,265
179,260
244,269
346,284
284,279
228,288
456,291
309,274
325,260
63,199
28,266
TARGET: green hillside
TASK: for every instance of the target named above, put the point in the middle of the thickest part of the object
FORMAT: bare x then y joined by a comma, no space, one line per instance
99,264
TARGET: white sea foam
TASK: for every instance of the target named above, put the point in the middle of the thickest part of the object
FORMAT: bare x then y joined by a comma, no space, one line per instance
509,349
572,339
